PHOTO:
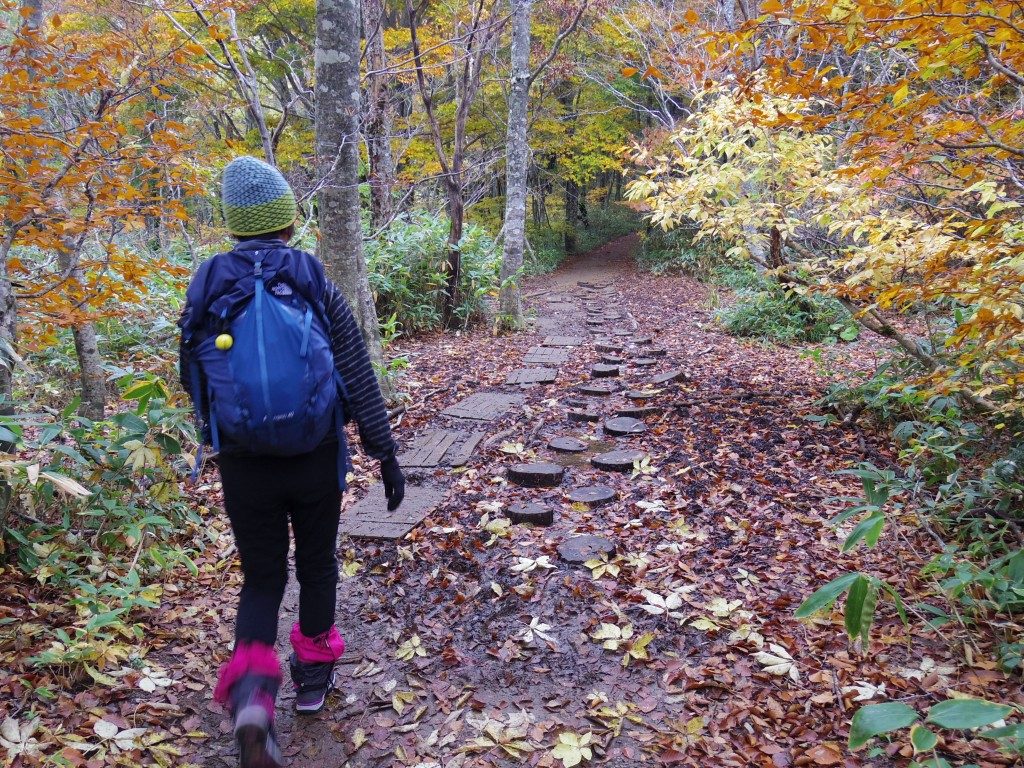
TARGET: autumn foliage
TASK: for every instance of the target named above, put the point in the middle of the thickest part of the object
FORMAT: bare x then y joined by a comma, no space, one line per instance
882,142
89,153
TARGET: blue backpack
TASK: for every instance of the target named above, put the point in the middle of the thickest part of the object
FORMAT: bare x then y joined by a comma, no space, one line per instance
271,387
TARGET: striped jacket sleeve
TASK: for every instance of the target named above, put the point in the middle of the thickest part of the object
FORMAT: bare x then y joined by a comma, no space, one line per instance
365,402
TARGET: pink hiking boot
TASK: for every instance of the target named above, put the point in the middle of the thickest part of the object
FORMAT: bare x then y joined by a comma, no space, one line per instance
312,667
248,685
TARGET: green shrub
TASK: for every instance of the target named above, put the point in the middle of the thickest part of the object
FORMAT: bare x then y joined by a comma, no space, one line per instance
92,511
675,252
773,312
406,271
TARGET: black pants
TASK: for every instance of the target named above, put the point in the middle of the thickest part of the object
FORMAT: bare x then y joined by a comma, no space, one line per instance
260,495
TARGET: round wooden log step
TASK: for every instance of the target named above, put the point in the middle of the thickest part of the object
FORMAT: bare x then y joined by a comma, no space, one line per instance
622,332
611,359
643,340
580,549
596,322
541,474
597,390
577,402
531,514
655,352
604,371
617,461
643,394
608,346
639,411
668,376
586,416
593,495
624,425
567,445
644,362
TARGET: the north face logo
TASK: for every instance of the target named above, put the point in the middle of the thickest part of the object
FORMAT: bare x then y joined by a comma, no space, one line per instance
281,289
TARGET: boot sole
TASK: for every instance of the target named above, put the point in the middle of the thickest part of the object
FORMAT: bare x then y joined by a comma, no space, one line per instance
252,748
312,709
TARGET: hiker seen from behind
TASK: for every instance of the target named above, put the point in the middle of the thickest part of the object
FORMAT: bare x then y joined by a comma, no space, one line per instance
276,366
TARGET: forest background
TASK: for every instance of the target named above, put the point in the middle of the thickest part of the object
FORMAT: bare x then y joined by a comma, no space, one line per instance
838,168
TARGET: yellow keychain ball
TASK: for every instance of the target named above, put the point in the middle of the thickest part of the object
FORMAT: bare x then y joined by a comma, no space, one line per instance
224,342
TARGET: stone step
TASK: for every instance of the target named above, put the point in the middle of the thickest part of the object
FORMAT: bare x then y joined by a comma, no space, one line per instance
617,461
593,495
597,390
531,514
676,374
580,549
567,445
563,341
527,376
639,411
621,426
641,395
584,416
537,475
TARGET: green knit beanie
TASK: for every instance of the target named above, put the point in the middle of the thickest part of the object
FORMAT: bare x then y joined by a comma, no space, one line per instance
256,198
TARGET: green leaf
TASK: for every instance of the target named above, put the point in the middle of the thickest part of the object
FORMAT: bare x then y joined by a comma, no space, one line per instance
967,713
824,597
71,408
855,605
901,609
923,739
1015,732
867,617
876,719
868,529
9,436
138,390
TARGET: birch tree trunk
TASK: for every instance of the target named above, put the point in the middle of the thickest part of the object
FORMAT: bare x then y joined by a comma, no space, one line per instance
90,365
337,161
90,369
8,332
379,117
510,302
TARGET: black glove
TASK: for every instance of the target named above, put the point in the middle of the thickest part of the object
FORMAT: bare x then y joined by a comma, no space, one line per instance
394,482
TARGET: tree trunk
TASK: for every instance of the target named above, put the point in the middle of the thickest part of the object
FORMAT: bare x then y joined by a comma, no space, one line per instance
379,117
510,302
572,215
90,368
337,161
456,212
8,333
90,364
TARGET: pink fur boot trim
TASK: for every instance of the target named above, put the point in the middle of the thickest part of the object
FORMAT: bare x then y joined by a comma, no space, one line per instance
248,659
316,650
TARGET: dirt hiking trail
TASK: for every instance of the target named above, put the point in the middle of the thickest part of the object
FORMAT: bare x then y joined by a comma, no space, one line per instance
683,454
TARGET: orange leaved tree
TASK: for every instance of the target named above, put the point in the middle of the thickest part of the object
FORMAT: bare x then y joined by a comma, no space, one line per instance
89,155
